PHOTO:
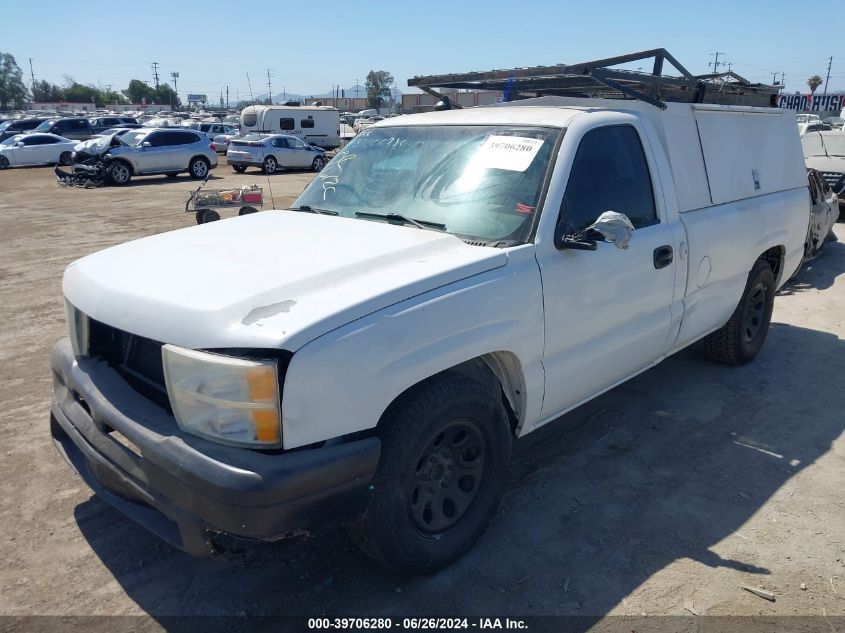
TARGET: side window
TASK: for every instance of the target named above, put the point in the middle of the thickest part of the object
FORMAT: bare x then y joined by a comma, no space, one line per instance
159,139
609,173
306,123
280,142
286,124
32,140
295,143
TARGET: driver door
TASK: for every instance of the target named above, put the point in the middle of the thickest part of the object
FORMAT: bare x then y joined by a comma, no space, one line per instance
607,311
300,154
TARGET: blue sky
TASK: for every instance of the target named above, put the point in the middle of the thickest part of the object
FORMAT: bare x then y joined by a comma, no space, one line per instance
312,45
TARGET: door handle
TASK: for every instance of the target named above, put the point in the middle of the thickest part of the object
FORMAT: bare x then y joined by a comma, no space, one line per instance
663,256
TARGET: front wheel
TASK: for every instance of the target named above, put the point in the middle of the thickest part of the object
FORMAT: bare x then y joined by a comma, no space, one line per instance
120,173
198,168
205,216
443,468
740,340
65,158
4,162
239,169
318,164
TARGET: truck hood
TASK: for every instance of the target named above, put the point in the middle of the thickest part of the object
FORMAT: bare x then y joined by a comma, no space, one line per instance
276,279
826,163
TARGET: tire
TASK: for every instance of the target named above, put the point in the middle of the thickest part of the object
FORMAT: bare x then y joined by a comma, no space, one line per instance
65,159
198,168
445,450
739,341
270,165
205,216
247,210
318,164
239,168
4,162
120,173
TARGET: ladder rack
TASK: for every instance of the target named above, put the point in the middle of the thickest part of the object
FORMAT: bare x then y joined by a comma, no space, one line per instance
598,79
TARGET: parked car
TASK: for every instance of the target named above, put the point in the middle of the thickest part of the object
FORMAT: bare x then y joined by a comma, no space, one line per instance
35,149
804,128
145,152
14,127
120,131
72,127
272,152
213,129
825,151
450,281
807,118
220,143
836,122
100,124
824,212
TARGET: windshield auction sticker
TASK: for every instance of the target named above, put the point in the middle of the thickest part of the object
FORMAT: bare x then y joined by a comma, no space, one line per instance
513,153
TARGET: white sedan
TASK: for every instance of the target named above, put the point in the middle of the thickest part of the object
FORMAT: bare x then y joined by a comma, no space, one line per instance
36,149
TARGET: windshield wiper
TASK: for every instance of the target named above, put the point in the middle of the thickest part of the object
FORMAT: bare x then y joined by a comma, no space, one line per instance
309,209
396,217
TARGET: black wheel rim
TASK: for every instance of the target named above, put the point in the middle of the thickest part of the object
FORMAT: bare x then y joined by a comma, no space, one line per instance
755,313
447,477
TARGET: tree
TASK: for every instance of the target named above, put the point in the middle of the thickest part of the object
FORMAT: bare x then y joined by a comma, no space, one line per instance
166,95
78,93
139,92
12,88
43,90
814,82
378,87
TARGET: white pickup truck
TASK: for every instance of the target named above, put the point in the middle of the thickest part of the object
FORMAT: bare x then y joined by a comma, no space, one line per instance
441,288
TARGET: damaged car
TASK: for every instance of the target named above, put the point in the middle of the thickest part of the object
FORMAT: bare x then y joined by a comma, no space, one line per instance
116,159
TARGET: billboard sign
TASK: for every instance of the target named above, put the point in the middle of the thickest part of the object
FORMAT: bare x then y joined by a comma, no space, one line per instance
197,98
812,103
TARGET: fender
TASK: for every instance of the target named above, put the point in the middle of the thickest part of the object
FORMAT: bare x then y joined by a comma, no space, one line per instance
343,381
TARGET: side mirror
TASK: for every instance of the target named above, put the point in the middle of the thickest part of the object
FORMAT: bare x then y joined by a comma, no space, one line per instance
146,144
614,227
20,143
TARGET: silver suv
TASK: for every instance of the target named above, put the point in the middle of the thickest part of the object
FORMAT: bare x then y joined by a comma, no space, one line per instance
168,151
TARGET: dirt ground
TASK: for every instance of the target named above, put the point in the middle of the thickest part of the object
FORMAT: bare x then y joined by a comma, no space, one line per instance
662,497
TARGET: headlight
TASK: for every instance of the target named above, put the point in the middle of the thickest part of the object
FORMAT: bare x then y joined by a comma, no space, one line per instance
226,399
77,325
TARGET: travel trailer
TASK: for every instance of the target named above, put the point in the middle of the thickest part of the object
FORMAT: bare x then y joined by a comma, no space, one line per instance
317,125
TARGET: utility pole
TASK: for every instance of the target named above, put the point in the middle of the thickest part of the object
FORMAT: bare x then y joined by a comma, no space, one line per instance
774,78
269,87
829,64
32,74
783,80
356,87
729,64
227,97
175,76
715,64
155,72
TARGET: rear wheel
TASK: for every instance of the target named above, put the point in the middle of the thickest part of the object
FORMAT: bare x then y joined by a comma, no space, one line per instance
739,341
198,168
247,210
4,162
239,168
270,165
207,215
443,467
120,173
318,164
65,158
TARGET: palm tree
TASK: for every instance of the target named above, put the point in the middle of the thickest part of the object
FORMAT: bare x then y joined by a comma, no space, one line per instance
814,82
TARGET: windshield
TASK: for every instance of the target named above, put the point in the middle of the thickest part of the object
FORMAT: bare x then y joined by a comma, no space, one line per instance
480,182
44,126
5,124
12,140
131,137
816,144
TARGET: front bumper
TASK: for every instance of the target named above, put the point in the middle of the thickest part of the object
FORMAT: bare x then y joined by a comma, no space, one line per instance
187,490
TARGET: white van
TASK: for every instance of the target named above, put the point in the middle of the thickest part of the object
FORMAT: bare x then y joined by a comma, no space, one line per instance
318,125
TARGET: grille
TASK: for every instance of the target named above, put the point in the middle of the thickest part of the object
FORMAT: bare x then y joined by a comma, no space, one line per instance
834,180
135,358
